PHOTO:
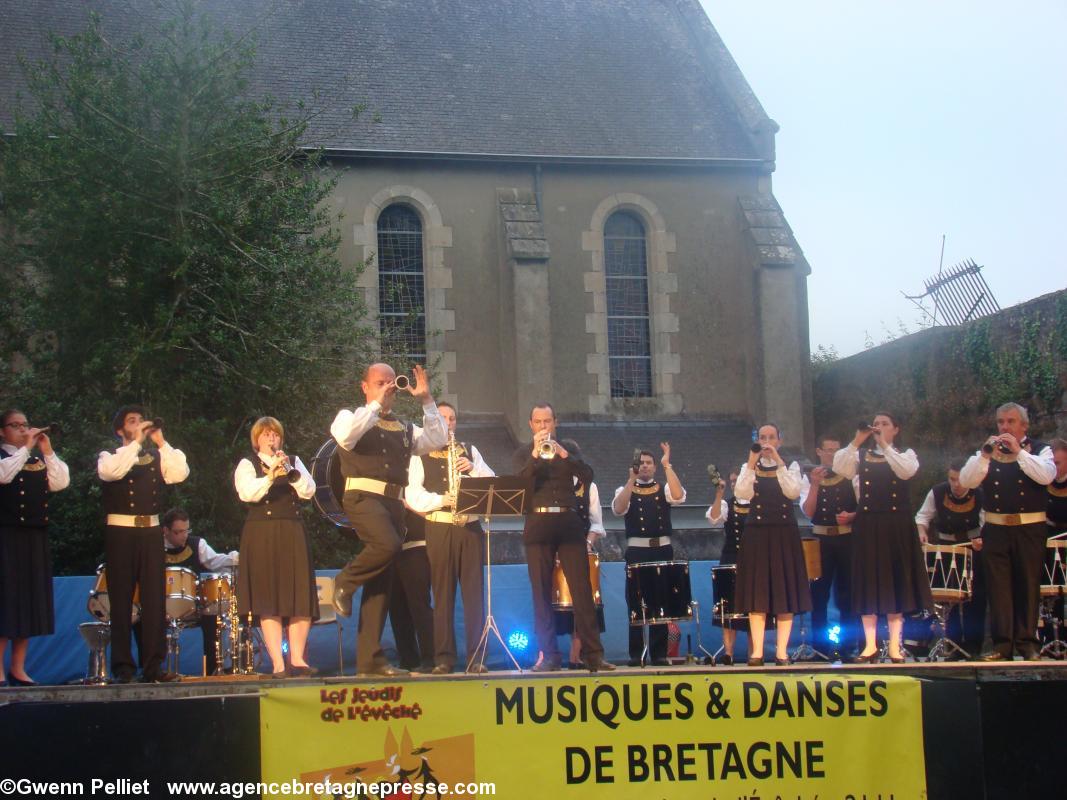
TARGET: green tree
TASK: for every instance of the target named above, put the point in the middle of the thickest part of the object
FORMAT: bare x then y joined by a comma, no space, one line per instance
167,239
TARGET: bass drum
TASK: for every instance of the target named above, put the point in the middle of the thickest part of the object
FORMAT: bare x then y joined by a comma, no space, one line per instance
329,484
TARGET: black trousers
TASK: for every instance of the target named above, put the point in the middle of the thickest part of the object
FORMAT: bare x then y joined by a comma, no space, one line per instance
657,634
135,556
410,615
966,623
835,556
456,554
379,523
546,537
1014,560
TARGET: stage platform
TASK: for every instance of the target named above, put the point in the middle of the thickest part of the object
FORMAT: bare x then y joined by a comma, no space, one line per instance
989,730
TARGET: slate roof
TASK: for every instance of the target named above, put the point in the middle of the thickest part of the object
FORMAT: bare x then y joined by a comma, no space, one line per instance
642,79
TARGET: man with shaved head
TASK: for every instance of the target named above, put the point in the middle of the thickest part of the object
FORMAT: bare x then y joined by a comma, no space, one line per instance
375,449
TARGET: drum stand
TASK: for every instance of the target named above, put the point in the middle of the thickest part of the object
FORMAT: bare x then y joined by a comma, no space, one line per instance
97,636
945,647
174,646
709,658
1057,648
806,651
646,654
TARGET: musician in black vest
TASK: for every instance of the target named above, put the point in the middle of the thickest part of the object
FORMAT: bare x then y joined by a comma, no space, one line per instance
375,450
182,548
554,529
888,571
132,482
731,513
829,501
955,514
646,506
27,482
454,545
1014,472
771,576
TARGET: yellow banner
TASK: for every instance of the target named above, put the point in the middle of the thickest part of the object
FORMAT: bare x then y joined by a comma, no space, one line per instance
689,735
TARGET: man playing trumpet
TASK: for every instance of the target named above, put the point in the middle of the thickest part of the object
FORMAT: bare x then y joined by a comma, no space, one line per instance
375,450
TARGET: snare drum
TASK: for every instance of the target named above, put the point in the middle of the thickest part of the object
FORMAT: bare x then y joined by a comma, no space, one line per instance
561,592
663,587
216,592
99,604
950,569
1054,579
812,558
180,594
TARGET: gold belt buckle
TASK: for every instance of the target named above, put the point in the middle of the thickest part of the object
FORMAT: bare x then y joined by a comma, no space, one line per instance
1012,519
653,542
142,521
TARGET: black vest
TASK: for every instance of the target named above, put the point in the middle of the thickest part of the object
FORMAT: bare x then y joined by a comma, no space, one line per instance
188,556
280,501
382,453
581,505
435,469
881,491
137,492
649,514
769,505
1057,505
24,501
1007,489
956,515
833,496
733,527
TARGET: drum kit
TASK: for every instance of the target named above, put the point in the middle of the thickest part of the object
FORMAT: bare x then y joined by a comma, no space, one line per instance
187,598
1053,596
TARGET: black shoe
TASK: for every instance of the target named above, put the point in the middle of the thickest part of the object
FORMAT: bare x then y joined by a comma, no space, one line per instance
726,660
303,672
897,660
384,671
342,601
782,662
755,661
547,665
1029,655
13,681
873,658
994,655
442,669
600,666
163,677
634,662
477,669
122,677
280,676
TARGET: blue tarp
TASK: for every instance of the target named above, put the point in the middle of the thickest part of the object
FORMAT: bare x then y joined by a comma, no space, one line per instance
63,657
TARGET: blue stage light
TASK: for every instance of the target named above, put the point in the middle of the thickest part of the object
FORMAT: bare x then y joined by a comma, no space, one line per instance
833,633
518,640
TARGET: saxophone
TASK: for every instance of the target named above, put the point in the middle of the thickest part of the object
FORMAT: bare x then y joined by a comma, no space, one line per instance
454,453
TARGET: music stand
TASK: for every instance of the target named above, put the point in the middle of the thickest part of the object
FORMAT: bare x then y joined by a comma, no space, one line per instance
508,496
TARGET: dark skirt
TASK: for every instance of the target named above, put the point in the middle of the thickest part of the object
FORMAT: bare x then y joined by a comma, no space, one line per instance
275,577
888,570
26,604
771,578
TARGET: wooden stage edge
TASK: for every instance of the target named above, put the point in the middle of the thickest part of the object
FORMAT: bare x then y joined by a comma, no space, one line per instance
228,686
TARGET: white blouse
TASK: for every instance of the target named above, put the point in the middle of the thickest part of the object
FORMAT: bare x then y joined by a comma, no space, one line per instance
252,485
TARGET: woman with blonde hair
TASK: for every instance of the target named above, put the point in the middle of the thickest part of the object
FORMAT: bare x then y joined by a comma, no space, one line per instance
276,581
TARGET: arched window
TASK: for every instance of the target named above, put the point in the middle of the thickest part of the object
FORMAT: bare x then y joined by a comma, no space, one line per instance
626,273
401,284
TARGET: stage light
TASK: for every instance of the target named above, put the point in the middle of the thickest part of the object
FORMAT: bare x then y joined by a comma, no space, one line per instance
518,640
833,633
285,646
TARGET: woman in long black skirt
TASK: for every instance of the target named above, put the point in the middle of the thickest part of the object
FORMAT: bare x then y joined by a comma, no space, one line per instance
26,482
888,571
771,577
276,580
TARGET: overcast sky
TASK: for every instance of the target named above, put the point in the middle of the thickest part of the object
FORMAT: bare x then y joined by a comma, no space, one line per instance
902,121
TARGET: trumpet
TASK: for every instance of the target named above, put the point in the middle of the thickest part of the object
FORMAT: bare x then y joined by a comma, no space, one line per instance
547,450
283,467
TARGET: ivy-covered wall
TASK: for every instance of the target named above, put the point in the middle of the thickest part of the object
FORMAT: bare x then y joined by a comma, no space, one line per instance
945,383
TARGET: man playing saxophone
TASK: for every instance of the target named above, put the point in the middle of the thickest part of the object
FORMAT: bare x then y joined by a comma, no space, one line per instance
453,542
